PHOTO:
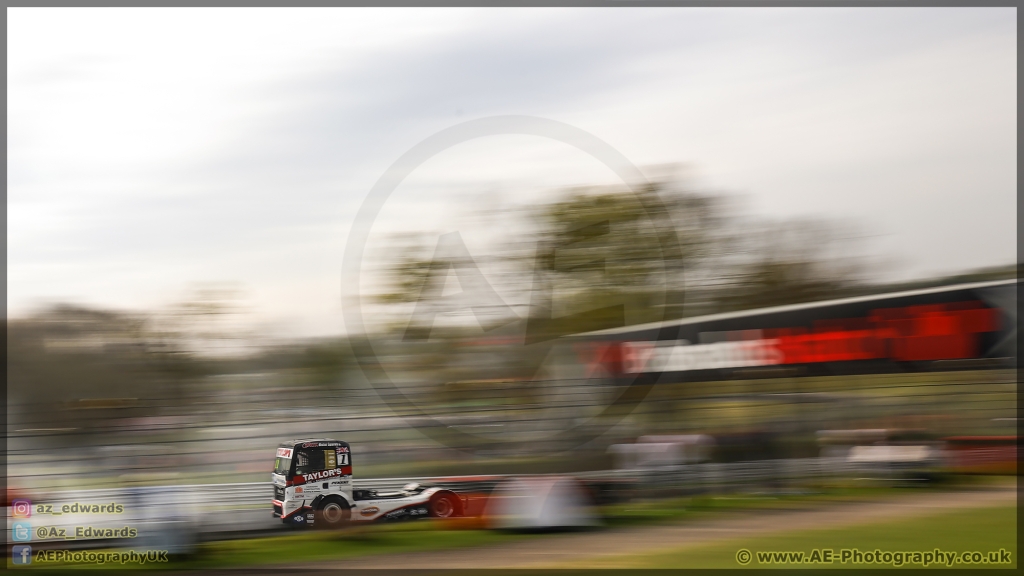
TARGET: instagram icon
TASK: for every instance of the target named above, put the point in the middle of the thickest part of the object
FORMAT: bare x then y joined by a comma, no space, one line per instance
21,508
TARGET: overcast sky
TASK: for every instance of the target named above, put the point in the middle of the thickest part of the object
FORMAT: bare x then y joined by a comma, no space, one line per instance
153,149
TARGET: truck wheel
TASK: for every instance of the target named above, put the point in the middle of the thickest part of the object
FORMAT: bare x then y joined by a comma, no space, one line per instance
443,505
333,513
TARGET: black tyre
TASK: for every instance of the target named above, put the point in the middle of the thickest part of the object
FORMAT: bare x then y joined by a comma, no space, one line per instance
333,513
444,505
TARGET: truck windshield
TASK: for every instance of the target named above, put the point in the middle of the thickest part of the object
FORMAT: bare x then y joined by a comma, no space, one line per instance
312,461
281,465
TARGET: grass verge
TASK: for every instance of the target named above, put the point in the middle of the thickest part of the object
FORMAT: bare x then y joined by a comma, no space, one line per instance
979,529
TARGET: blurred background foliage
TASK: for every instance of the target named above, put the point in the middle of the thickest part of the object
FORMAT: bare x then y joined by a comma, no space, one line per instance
591,258
662,252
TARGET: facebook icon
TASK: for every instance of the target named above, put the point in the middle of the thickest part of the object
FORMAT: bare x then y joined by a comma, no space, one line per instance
21,555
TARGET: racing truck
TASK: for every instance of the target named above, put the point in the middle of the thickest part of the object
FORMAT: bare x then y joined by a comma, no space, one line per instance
313,486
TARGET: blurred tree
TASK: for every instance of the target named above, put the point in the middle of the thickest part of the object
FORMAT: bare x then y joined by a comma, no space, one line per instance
75,367
596,258
324,363
409,270
208,321
788,262
609,246
603,257
82,368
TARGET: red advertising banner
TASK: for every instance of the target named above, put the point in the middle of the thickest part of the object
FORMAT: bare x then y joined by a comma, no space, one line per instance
886,333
